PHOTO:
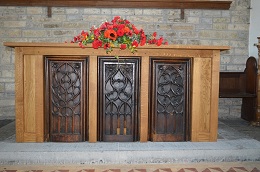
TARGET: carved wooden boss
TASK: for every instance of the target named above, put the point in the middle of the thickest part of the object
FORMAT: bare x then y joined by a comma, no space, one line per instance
166,93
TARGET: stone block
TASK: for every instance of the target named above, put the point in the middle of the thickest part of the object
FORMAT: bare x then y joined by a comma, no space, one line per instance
204,26
62,32
193,42
52,25
241,51
72,11
7,102
240,19
205,42
106,11
8,73
7,112
225,59
125,11
34,33
138,12
144,19
220,26
164,27
77,17
235,68
193,20
2,87
220,43
188,34
235,111
195,13
14,24
206,20
57,10
34,10
183,27
238,27
221,20
9,87
212,13
92,11
240,43
153,12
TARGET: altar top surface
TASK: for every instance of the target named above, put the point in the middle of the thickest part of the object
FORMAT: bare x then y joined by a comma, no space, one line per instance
73,45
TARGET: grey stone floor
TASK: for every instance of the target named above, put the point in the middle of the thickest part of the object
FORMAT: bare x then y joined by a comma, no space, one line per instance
237,141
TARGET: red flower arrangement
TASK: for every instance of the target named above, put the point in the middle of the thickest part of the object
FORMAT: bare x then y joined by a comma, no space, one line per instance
117,33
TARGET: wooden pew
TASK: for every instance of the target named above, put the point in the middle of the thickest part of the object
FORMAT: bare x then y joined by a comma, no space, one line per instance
242,85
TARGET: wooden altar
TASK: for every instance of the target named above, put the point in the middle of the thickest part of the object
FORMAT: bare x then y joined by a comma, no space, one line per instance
200,65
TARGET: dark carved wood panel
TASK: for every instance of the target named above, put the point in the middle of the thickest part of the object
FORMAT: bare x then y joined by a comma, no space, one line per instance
118,99
66,99
170,99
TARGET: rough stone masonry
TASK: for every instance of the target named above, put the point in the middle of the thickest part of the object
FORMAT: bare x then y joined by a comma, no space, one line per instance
199,27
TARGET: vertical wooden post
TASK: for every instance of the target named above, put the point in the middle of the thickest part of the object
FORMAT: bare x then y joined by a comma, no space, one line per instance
215,63
92,94
19,93
144,98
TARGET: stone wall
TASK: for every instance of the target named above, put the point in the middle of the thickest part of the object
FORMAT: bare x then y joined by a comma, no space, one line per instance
200,27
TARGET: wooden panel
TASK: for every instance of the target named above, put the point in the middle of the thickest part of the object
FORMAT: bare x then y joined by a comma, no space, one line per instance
201,97
29,93
92,108
66,98
215,65
118,99
33,96
144,96
183,4
170,99
19,95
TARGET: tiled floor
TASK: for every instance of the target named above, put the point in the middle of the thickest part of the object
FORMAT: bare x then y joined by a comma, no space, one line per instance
198,167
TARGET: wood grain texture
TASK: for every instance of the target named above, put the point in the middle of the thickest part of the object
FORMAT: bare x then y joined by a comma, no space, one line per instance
201,97
93,87
19,91
29,93
33,98
144,98
214,96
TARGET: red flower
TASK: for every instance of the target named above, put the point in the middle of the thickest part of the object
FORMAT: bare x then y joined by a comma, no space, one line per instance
135,44
143,41
116,18
111,34
106,46
117,33
120,32
96,44
136,31
121,26
159,41
96,32
127,22
126,29
123,46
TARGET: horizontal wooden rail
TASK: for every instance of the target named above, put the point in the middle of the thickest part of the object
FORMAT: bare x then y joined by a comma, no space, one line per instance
171,4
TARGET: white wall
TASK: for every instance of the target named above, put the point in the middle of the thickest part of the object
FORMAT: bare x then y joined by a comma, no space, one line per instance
254,29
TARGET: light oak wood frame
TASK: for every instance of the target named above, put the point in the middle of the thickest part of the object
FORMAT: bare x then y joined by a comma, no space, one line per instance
29,90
